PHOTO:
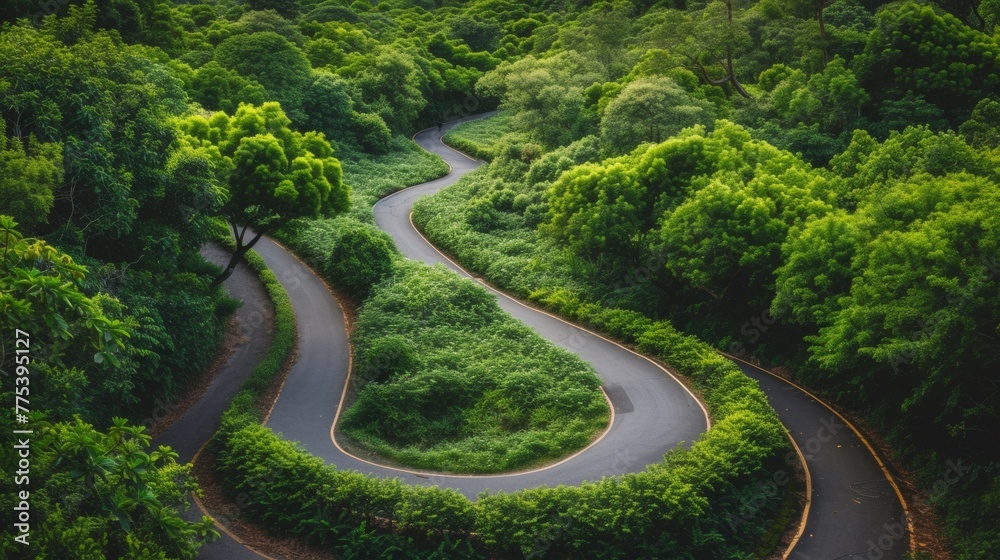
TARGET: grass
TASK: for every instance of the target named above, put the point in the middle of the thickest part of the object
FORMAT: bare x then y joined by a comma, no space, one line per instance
373,177
478,138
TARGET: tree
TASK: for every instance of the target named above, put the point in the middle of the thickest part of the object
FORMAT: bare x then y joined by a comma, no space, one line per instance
602,32
728,232
651,110
111,125
371,133
270,173
29,174
921,313
221,89
271,60
983,127
914,51
287,8
598,208
707,41
817,267
389,87
830,99
267,20
106,495
869,167
329,107
479,34
41,293
546,96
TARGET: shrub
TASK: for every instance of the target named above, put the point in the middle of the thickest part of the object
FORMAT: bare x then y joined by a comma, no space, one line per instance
361,257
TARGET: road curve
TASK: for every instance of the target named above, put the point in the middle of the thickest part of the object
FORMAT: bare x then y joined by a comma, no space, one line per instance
855,514
856,511
189,433
653,411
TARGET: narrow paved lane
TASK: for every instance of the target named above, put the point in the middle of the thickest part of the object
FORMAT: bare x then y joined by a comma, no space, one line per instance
855,512
653,411
200,422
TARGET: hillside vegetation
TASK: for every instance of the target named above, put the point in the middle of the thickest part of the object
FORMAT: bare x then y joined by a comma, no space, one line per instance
810,183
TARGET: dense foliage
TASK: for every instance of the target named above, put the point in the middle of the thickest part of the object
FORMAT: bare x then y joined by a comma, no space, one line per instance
703,162
833,222
84,491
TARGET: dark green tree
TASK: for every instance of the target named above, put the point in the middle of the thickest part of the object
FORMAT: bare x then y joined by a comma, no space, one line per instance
272,61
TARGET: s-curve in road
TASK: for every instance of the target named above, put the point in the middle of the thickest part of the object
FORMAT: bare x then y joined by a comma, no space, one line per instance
856,511
653,412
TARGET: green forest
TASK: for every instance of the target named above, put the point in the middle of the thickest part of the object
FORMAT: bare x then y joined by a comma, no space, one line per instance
809,185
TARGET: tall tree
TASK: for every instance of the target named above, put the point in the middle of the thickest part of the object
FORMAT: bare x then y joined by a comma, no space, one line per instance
270,174
651,110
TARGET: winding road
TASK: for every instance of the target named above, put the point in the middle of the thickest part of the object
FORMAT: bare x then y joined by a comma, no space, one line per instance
855,511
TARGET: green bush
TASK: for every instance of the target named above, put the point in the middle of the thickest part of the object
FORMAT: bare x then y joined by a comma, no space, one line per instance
371,133
361,257
483,394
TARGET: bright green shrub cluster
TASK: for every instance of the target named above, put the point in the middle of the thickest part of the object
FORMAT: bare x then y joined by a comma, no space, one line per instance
451,382
361,258
352,255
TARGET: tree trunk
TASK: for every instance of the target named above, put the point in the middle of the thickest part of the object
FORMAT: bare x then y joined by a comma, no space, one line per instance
241,250
729,58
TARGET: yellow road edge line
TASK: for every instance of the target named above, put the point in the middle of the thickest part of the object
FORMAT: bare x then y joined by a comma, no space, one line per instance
220,526
857,432
805,509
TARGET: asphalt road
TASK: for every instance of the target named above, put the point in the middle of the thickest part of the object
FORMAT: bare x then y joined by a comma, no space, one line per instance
653,411
200,422
855,513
